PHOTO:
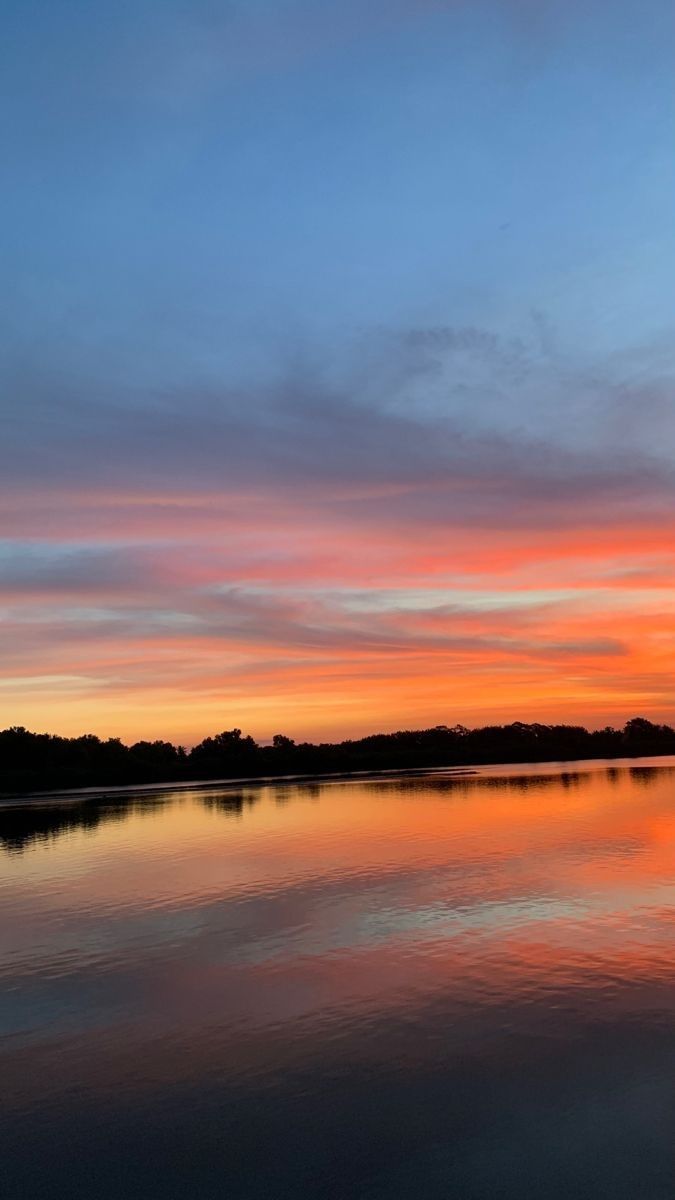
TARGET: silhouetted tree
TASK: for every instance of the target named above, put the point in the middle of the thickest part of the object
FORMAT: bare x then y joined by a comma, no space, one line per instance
41,761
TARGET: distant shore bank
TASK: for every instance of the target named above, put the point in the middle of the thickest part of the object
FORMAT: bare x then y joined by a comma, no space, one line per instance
451,771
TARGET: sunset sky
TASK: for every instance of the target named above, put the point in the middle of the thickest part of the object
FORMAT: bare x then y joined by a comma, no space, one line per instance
338,361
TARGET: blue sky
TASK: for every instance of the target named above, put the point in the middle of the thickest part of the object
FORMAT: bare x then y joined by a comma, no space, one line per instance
222,185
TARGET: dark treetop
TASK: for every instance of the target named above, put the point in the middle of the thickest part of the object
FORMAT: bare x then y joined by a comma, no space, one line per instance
41,761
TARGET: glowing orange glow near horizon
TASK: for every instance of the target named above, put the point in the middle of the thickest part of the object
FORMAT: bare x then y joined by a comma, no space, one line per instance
186,615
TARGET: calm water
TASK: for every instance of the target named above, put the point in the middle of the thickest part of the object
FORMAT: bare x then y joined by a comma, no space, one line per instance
419,987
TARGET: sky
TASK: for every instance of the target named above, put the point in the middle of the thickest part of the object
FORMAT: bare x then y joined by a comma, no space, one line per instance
337,365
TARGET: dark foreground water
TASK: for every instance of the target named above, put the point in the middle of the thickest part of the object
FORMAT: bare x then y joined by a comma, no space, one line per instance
423,987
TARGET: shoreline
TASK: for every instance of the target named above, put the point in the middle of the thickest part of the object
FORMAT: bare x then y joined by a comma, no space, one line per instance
453,770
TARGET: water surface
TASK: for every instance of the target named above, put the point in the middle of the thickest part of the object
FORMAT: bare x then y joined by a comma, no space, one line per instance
413,986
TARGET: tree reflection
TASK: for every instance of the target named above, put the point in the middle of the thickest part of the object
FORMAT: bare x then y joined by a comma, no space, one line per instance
26,824
22,826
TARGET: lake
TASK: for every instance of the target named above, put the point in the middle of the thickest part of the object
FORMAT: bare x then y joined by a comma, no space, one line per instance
428,985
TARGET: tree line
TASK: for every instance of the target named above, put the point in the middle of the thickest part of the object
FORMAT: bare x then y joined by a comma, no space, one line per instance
44,761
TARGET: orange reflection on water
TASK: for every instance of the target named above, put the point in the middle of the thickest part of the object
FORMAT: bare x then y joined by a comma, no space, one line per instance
401,955
575,833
